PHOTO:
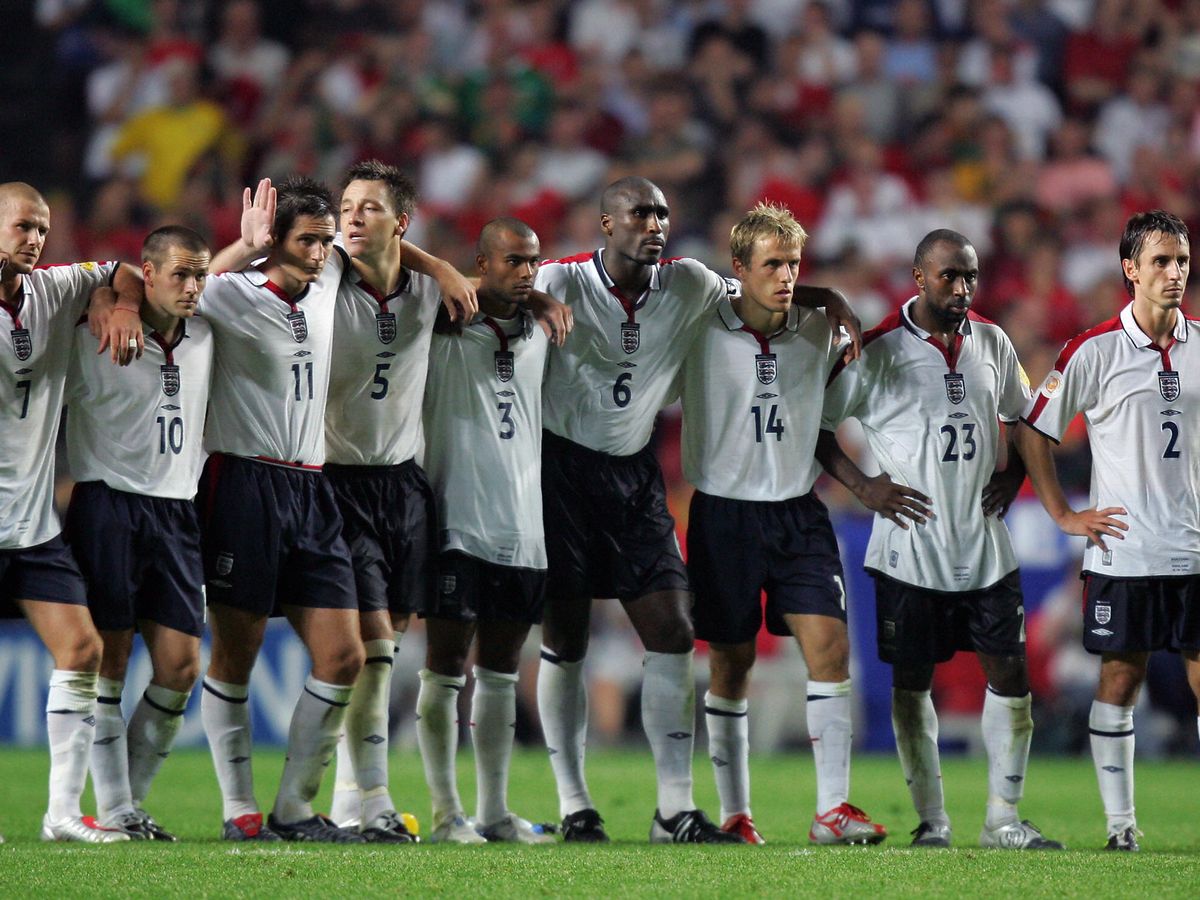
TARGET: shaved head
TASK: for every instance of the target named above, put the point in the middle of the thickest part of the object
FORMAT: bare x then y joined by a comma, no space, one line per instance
494,231
629,188
17,191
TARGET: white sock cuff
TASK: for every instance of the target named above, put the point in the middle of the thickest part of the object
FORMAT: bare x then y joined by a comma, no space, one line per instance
994,696
829,688
455,682
109,688
488,679
379,651
554,659
1110,720
333,694
227,690
165,699
713,703
666,662
72,691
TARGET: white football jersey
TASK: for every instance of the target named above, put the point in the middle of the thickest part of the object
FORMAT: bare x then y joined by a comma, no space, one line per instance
619,365
35,346
377,377
271,366
1141,404
483,429
140,428
752,405
931,418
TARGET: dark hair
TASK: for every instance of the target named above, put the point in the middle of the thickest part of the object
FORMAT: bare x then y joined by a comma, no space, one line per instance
622,188
490,232
300,196
161,240
935,237
1139,227
400,187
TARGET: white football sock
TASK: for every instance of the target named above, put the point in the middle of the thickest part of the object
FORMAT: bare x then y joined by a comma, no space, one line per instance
563,709
831,733
668,718
346,806
729,749
225,713
367,728
152,729
437,736
1007,730
312,739
1111,730
915,723
493,728
70,718
110,752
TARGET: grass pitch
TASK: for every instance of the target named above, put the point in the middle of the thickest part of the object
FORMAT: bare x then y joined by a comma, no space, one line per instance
1061,799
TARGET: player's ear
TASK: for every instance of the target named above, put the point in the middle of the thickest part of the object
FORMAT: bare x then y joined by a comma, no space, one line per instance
481,263
606,223
402,225
147,270
739,269
1130,268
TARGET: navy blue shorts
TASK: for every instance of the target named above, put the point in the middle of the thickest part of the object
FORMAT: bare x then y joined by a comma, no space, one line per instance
390,525
140,557
45,572
272,535
470,590
608,530
918,627
1133,615
739,548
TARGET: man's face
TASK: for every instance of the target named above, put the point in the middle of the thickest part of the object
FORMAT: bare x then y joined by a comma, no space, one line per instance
174,288
368,222
1160,272
770,276
638,225
305,247
24,223
946,282
507,270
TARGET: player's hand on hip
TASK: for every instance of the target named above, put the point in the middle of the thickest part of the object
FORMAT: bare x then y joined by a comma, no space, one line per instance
895,502
1095,524
258,217
1000,491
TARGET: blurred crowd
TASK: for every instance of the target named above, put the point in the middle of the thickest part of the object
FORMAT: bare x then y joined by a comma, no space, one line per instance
1035,127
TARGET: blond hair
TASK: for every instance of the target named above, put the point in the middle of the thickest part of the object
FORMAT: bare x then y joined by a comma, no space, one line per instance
766,220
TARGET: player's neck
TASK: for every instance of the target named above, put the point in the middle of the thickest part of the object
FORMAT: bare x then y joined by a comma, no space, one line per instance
1157,322
277,274
630,276
494,305
165,324
764,321
381,271
10,285
943,332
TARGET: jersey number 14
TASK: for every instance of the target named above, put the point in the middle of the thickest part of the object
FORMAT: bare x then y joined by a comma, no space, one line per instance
770,424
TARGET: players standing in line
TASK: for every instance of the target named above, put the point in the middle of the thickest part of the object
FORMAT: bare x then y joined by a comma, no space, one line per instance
38,576
932,384
484,392
134,445
752,392
273,331
1136,379
382,329
609,532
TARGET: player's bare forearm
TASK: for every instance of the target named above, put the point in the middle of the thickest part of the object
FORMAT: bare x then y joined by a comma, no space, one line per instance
234,257
555,317
838,311
1094,524
114,315
458,291
895,502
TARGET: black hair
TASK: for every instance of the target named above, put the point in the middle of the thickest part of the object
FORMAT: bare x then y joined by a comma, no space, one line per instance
400,187
300,196
160,240
1139,227
937,236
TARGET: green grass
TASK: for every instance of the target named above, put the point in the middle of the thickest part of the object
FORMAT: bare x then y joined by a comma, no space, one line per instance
1062,799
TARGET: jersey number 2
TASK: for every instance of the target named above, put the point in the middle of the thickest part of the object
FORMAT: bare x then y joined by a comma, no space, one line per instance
1173,430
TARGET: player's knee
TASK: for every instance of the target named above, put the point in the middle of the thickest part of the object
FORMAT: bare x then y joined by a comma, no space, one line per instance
178,674
681,639
342,664
82,652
